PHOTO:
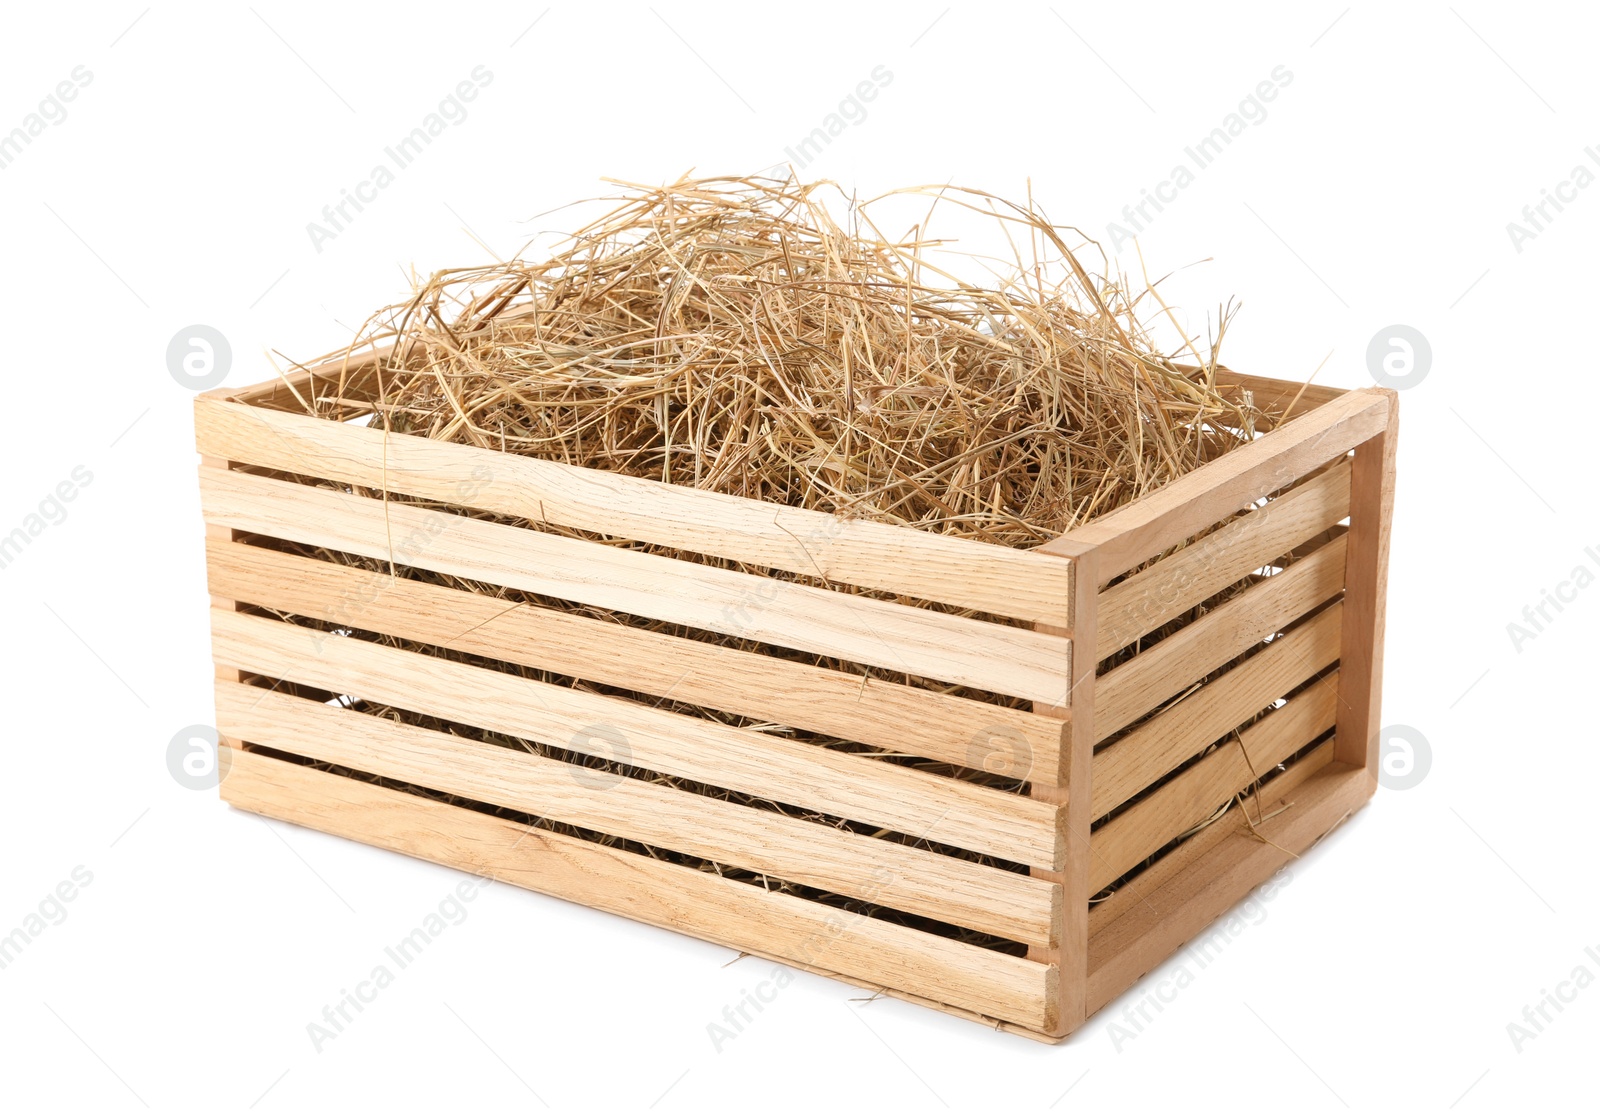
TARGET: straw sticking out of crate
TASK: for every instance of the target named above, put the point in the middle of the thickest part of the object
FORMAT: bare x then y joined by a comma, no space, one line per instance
768,339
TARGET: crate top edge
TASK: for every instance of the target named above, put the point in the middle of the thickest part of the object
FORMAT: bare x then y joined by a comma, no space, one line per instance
1304,398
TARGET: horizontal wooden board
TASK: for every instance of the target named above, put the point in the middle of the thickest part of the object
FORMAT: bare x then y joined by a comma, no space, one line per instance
1162,919
1018,662
1282,399
898,718
1153,822
1131,690
913,880
1124,768
949,811
993,579
1177,861
350,377
672,896
1195,501
1172,586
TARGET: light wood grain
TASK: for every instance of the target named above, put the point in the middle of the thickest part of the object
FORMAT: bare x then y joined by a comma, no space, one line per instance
771,767
1015,661
672,896
1195,501
1372,482
1177,862
1189,799
951,890
1209,884
1131,690
1124,768
351,378
1075,778
991,579
898,718
1172,586
1276,396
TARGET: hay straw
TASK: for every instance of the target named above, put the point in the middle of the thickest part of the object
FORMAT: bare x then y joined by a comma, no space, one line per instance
763,338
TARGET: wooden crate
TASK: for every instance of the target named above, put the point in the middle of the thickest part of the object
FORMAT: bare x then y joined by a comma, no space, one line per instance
916,880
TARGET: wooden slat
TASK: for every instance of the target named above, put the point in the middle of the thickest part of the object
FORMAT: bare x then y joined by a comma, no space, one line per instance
1131,690
1159,921
993,579
1152,823
1018,662
907,879
1275,396
906,719
347,377
673,896
949,811
1075,818
1195,501
1177,583
988,1022
1372,481
221,536
1177,862
1126,767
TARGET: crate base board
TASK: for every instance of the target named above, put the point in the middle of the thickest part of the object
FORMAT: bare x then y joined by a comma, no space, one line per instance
1200,889
1121,951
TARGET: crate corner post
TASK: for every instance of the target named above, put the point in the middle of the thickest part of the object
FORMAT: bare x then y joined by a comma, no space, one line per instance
1372,485
1072,794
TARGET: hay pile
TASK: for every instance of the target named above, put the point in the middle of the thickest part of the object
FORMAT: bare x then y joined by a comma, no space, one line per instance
769,339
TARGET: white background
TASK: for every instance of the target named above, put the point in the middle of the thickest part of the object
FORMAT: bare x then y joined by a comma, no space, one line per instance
1376,192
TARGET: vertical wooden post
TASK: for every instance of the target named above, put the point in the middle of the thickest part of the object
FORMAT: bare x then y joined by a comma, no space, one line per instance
1372,477
1072,790
224,674
1053,791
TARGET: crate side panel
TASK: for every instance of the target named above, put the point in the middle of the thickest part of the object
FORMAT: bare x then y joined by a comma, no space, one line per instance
1188,901
1004,741
1168,588
675,897
1193,502
1018,662
948,811
1194,795
1129,691
951,890
1129,765
999,580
